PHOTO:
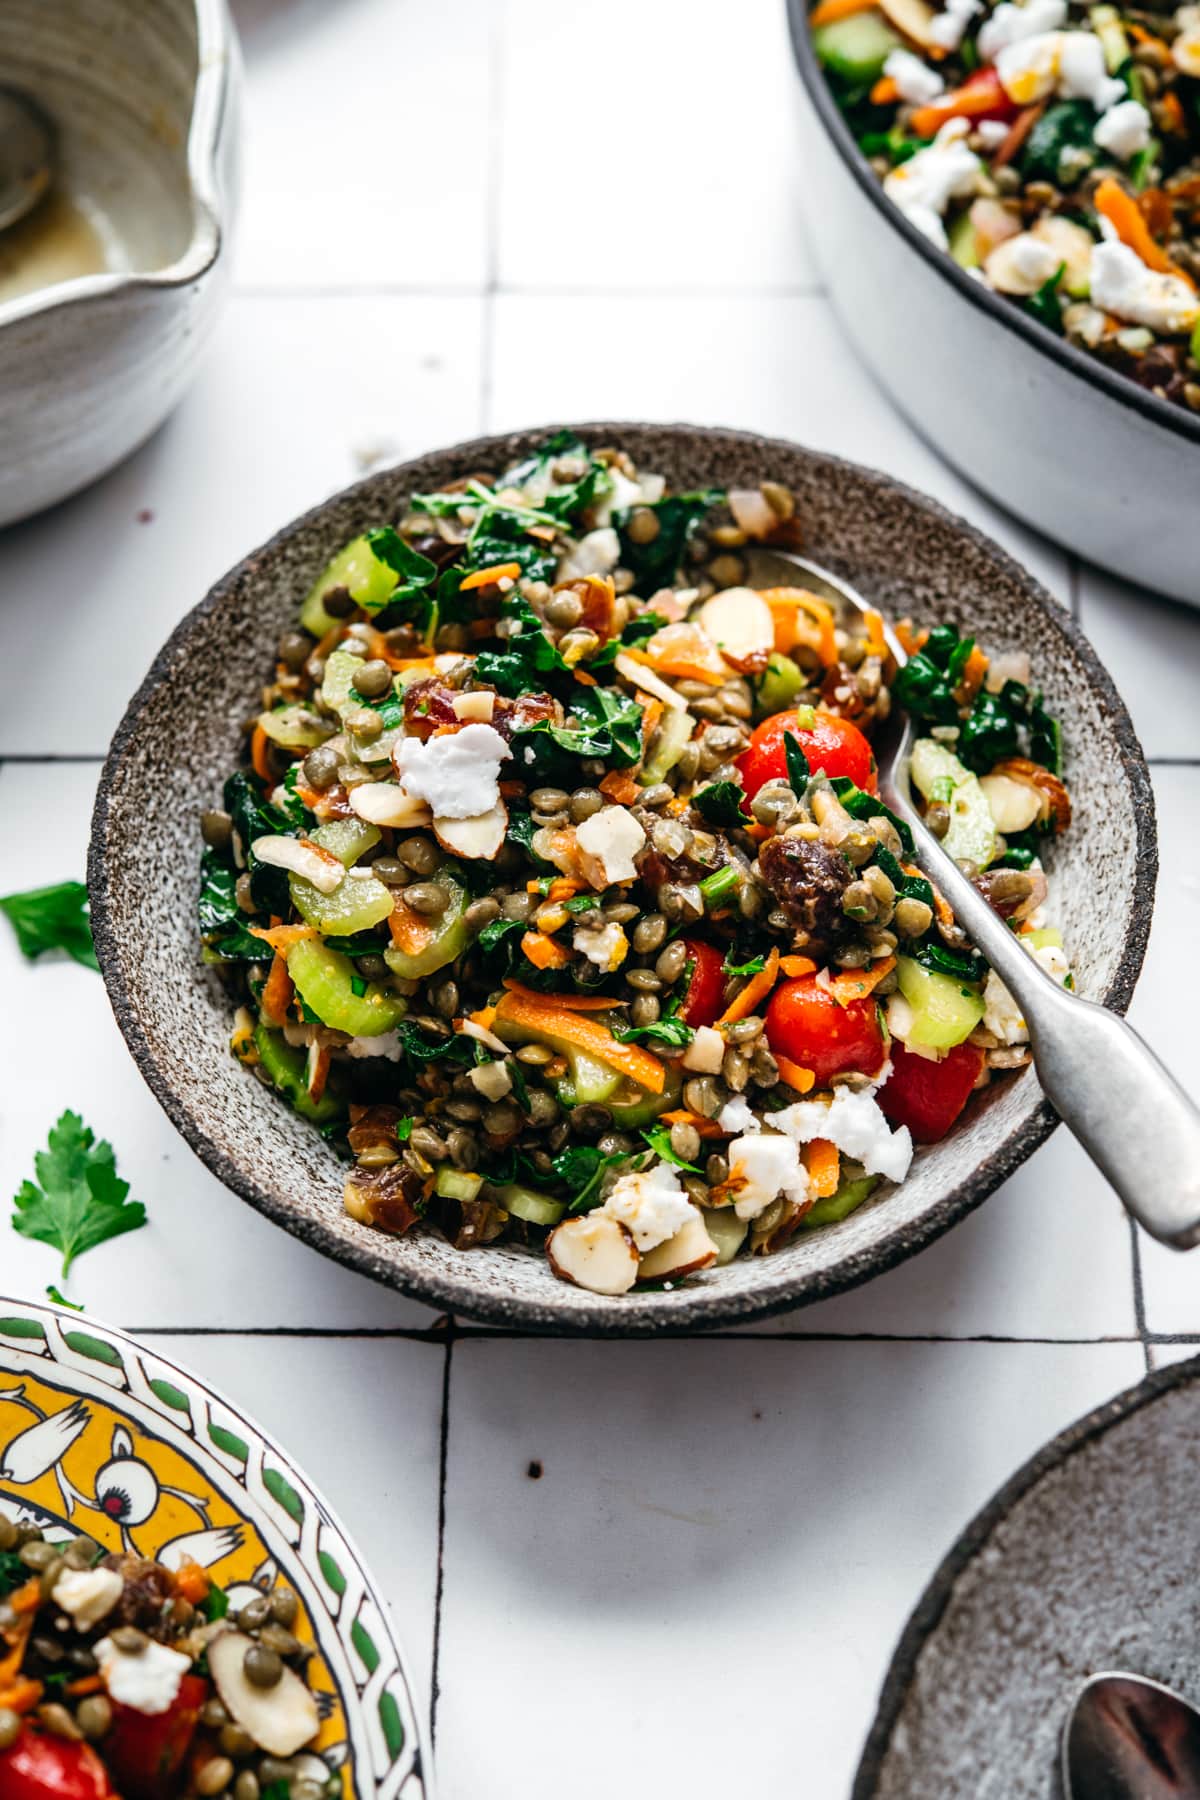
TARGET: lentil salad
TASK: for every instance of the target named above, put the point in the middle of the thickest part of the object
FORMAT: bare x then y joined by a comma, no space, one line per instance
120,1676
558,895
1052,149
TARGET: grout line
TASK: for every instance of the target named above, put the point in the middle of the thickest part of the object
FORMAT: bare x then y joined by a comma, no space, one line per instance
28,756
1139,1295
445,1331
402,290
443,1458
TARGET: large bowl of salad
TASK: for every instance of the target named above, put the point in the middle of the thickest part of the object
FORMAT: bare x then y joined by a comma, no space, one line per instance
1006,209
491,880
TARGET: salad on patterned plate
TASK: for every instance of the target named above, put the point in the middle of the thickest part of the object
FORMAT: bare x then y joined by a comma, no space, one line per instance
1052,149
557,893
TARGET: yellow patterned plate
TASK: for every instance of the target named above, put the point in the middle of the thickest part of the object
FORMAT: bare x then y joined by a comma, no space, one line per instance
100,1435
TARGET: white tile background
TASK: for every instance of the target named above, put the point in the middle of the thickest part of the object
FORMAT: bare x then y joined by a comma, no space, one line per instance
461,215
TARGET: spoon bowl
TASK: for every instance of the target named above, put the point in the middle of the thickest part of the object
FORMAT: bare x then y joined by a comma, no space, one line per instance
1127,1738
28,155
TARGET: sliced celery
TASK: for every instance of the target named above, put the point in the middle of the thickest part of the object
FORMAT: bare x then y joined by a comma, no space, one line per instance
526,1203
945,1009
286,1067
445,938
327,982
356,568
456,1184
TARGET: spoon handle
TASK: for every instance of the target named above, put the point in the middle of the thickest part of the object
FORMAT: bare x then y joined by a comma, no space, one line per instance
1128,1111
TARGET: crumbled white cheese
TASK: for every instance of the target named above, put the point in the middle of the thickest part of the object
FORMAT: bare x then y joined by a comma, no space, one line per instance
596,554
386,1044
611,839
1053,958
1070,63
1001,1014
738,1115
948,28
762,1166
1083,72
458,772
915,81
1028,69
89,1595
706,1052
992,133
856,1125
478,705
923,187
900,1021
651,1205
607,948
1122,284
148,1681
1124,129
1185,51
1008,24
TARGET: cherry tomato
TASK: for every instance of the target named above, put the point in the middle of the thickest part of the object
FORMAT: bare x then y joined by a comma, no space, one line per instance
805,1023
833,746
41,1767
145,1751
705,995
928,1096
981,96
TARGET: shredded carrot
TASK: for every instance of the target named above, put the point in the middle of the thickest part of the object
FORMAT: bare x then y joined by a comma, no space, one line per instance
756,989
282,937
585,678
911,639
823,1162
486,577
542,1015
329,641
277,991
27,1598
856,984
705,1128
544,952
1142,36
571,1002
797,965
486,1017
411,931
975,669
885,92
796,1077
760,833
828,10
192,1582
25,1602
620,786
561,888
651,715
87,1684
1125,216
22,1696
941,905
1018,131
258,755
876,642
785,604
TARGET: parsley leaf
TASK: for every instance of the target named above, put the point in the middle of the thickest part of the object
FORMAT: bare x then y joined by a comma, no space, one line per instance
81,1201
13,1572
1046,304
582,1168
528,657
753,967
52,918
798,772
659,1140
669,1028
722,803
215,1604
420,1049
60,1299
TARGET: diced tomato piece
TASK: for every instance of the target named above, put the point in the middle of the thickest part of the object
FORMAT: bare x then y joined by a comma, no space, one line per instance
981,96
807,1025
833,745
928,1096
705,995
41,1767
145,1751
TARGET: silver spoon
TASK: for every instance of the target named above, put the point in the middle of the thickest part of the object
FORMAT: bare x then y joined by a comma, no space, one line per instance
1127,1738
1108,1087
28,155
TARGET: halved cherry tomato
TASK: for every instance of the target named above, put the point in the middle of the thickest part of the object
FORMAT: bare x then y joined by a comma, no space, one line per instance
806,1024
145,1751
705,995
981,96
928,1096
41,1767
833,746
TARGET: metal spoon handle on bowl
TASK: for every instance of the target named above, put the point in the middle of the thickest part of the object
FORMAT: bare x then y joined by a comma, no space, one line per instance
1108,1087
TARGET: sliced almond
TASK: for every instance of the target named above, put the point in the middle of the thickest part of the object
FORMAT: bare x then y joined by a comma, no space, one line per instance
280,1719
1014,805
315,865
913,17
384,803
478,839
690,1249
752,512
648,681
477,705
739,622
595,1252
1056,802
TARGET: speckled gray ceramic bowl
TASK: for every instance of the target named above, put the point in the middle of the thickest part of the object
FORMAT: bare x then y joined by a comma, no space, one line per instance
1085,1560
181,736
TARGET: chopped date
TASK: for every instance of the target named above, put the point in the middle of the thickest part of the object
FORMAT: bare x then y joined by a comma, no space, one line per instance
808,880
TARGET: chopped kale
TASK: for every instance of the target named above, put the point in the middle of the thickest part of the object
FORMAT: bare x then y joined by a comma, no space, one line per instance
654,564
722,804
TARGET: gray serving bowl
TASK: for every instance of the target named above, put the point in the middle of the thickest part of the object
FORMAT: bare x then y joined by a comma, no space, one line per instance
1084,1561
144,99
1065,443
181,736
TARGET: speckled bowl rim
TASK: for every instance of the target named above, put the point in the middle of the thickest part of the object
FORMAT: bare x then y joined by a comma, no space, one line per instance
927,1614
710,1309
1164,413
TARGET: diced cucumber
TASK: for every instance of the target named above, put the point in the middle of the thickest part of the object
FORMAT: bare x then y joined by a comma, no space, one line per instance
370,583
589,1082
286,1067
945,1010
778,684
326,982
358,904
632,1106
726,1230
457,1184
668,745
526,1203
1045,935
295,727
348,839
1106,23
938,775
447,938
960,236
855,48
852,1191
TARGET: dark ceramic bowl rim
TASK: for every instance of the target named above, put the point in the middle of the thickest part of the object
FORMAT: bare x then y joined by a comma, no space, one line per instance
710,1308
927,1614
1166,413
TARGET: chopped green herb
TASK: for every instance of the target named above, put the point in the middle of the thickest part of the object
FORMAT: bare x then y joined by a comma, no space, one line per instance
81,1201
798,772
655,563
52,918
869,806
721,804
754,967
215,1604
60,1299
668,1028
659,1140
720,885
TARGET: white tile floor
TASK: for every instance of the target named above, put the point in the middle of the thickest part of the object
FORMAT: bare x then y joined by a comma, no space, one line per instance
461,215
